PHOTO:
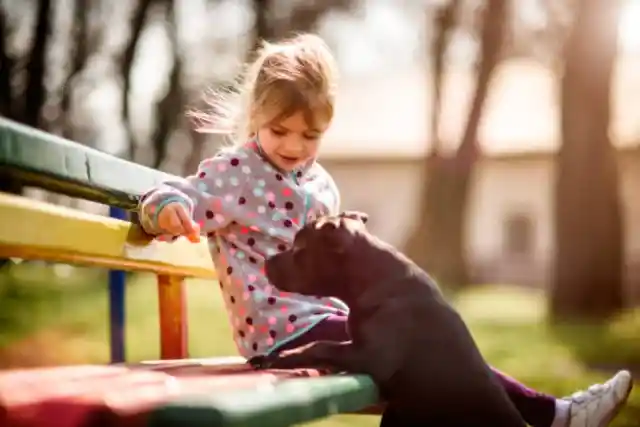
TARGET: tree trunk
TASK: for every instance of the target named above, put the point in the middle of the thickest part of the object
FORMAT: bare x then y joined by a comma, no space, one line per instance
6,69
445,24
170,107
439,242
83,45
589,264
126,64
35,92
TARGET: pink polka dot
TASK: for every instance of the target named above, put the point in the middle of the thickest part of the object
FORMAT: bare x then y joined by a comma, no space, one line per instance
272,320
286,192
251,278
219,218
290,328
270,341
245,296
283,309
252,329
268,289
228,197
232,252
222,167
270,196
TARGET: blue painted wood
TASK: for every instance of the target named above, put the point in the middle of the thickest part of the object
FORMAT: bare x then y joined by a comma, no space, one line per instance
117,290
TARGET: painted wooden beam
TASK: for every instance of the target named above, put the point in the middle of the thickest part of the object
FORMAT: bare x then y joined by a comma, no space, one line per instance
32,229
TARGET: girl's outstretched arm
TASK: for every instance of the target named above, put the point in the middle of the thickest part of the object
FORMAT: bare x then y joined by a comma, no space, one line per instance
210,196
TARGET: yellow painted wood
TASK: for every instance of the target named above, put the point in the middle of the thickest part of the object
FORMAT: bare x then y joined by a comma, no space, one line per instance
32,229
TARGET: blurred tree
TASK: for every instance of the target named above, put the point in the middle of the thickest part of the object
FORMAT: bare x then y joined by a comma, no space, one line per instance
438,242
588,275
272,23
6,68
170,107
85,43
35,94
136,25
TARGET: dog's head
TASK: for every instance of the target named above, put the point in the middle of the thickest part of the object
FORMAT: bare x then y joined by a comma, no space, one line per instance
316,264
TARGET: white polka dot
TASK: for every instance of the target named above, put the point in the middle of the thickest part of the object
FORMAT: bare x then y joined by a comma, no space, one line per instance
262,209
246,169
219,218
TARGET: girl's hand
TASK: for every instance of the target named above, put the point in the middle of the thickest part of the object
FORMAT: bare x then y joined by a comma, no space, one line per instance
175,219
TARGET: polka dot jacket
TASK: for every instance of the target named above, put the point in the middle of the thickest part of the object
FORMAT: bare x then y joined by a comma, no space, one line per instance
249,211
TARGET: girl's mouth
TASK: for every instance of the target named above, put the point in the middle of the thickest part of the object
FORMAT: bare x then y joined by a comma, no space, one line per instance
288,159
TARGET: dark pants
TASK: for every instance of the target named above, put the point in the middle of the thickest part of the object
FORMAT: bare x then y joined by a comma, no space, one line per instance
537,409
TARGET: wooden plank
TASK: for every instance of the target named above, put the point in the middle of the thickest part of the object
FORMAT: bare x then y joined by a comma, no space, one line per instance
47,161
31,229
172,300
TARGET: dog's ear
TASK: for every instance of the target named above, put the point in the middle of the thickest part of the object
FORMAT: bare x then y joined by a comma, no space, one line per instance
357,215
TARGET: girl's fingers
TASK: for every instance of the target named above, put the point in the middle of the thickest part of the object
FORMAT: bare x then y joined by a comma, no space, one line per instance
189,228
174,225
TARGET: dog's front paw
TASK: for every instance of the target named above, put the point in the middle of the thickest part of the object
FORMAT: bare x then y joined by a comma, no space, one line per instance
260,362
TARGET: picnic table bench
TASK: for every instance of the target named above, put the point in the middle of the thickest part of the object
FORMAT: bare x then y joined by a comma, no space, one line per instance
174,390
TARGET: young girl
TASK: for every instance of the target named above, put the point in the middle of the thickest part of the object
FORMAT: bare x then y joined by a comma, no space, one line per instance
250,199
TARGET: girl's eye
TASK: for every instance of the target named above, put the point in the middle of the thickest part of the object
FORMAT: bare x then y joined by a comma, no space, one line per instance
278,132
313,137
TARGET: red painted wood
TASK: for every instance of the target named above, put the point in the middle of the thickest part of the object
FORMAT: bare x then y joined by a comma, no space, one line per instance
117,395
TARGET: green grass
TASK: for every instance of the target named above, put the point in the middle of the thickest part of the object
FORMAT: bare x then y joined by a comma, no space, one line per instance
58,315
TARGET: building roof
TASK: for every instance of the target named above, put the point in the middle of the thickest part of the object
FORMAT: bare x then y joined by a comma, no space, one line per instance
386,116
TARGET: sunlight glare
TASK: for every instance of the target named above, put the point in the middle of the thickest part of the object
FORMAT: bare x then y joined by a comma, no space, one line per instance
629,31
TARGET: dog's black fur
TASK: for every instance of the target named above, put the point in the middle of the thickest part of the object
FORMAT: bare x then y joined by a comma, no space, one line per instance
404,334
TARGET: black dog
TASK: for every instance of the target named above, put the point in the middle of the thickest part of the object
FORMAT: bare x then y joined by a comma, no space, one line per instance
404,334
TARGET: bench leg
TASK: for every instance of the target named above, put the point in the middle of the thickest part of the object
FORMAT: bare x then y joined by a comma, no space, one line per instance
173,317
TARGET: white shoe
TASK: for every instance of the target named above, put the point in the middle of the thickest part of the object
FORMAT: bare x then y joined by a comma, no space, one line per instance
600,403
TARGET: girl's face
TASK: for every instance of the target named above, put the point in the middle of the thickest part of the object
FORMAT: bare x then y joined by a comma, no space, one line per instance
290,143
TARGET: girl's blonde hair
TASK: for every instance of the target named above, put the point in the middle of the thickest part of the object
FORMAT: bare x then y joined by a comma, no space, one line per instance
298,74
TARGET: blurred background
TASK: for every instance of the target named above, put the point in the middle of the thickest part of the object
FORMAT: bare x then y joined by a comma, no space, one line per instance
495,141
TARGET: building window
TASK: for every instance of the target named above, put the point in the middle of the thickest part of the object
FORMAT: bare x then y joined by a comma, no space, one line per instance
518,235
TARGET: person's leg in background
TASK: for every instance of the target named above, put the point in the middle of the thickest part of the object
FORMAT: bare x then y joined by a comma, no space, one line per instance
594,407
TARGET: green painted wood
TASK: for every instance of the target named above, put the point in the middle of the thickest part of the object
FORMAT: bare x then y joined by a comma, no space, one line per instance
39,159
285,403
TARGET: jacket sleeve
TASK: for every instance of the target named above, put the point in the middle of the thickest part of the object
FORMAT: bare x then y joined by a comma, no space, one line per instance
212,196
